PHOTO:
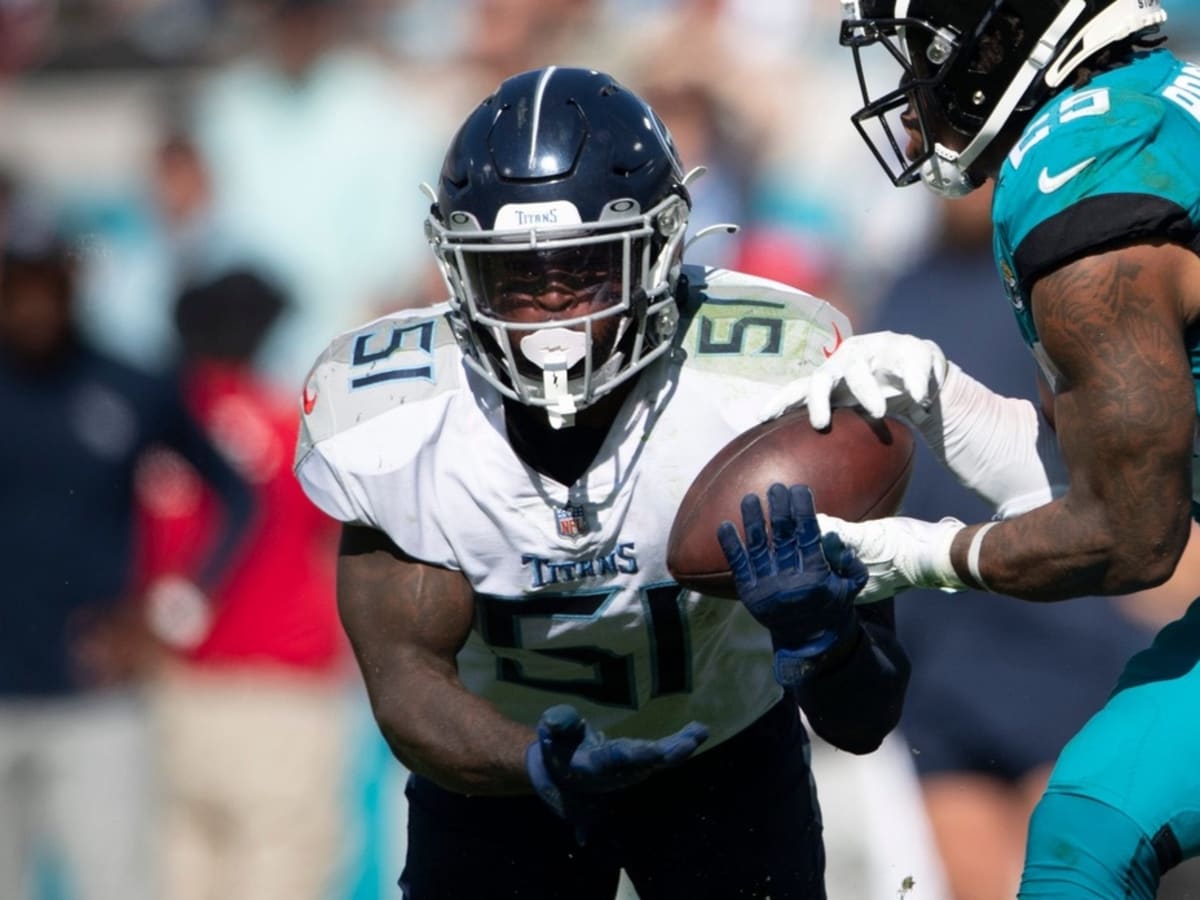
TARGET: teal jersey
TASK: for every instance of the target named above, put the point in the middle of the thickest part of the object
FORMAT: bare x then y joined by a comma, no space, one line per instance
1108,164
1111,163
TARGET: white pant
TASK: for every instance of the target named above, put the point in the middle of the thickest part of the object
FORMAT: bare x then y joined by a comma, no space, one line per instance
253,763
878,842
77,779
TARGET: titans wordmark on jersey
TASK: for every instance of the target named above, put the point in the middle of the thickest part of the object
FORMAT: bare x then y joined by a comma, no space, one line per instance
398,435
1110,163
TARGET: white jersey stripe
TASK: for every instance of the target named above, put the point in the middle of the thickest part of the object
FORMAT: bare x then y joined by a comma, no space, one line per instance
538,96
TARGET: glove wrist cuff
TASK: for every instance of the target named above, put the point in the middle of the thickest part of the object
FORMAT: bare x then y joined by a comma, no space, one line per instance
939,569
815,641
794,665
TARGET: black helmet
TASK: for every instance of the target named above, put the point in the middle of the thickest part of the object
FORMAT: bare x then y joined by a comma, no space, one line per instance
561,180
974,65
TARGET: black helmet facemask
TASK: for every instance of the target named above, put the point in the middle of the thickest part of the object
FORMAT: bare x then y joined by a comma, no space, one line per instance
972,65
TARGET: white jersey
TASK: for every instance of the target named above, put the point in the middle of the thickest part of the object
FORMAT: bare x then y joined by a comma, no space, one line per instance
573,599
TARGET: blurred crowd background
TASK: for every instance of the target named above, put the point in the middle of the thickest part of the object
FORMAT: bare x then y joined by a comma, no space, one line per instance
195,197
181,137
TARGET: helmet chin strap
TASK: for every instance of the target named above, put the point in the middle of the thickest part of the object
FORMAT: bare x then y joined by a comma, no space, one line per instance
555,351
945,175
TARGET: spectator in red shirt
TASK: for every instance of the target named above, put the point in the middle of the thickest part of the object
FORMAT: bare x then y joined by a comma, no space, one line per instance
250,717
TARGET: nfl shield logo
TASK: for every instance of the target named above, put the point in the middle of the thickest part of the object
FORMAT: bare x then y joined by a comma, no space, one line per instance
572,521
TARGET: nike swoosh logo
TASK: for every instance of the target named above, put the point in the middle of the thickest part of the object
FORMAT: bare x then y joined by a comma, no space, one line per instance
837,341
1048,183
310,401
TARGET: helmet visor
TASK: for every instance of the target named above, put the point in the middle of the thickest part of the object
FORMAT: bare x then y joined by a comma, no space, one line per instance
557,284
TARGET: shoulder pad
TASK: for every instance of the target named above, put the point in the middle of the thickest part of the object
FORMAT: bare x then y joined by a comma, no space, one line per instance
742,325
402,358
1090,143
1107,126
1097,166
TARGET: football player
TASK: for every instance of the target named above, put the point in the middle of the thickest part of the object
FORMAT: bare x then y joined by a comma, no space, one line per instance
507,465
1090,130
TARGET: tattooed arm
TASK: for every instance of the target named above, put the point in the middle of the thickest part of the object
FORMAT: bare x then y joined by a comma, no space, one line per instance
1124,411
406,622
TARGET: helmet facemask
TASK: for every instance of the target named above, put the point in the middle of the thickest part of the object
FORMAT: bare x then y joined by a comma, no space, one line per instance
937,66
559,313
970,70
897,104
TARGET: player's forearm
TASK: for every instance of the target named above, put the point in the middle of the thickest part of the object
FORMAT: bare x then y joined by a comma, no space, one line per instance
854,703
439,730
1057,552
1124,408
406,622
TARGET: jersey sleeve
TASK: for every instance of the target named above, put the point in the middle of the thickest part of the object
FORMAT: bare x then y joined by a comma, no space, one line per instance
1098,170
369,404
741,326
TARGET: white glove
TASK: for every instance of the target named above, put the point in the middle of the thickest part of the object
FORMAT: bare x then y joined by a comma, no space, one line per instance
883,372
899,553
996,446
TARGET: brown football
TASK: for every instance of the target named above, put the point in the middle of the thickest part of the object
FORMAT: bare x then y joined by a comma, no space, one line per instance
858,468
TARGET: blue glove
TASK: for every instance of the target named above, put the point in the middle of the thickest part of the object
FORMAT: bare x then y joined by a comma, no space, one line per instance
573,767
798,585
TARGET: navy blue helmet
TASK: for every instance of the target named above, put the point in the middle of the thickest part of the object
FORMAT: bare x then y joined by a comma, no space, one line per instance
561,182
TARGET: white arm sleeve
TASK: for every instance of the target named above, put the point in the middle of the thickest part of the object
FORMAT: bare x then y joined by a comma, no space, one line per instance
999,447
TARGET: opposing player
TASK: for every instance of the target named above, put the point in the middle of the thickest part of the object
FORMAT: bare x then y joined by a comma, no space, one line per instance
507,466
1091,132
